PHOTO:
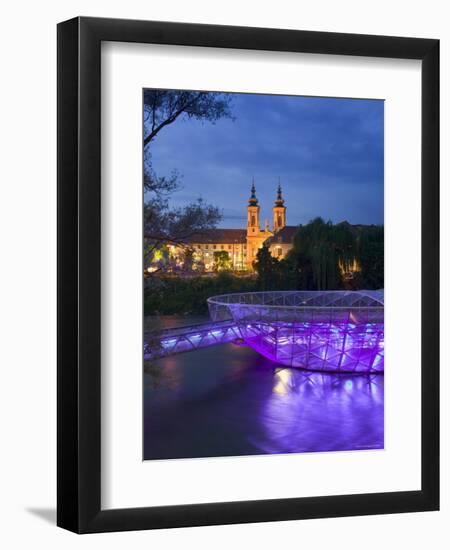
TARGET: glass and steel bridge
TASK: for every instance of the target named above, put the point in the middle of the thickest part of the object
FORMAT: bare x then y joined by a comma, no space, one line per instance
332,331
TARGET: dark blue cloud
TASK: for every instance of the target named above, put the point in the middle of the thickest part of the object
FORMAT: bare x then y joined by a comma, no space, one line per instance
327,152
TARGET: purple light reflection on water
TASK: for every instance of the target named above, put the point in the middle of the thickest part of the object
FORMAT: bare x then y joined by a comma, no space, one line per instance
231,401
313,412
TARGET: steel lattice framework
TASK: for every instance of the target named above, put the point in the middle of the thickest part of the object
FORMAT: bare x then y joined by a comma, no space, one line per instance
318,330
189,338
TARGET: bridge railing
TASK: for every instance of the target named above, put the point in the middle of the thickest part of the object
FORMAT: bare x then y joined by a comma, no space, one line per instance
181,339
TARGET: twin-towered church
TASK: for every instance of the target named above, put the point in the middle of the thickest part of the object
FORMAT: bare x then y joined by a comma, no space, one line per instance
242,244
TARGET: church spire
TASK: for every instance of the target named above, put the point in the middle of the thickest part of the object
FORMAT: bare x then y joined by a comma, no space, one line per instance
253,201
253,213
279,200
279,211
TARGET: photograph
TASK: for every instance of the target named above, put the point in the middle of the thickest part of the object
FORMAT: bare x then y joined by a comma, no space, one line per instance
222,196
263,253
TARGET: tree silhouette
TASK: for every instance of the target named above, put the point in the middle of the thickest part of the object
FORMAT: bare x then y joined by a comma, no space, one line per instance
164,107
162,224
222,260
323,254
267,268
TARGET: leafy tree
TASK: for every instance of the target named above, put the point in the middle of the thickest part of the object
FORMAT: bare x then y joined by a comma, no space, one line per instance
156,258
319,247
268,269
222,260
162,223
177,226
161,109
322,253
188,259
174,295
371,256
164,107
288,275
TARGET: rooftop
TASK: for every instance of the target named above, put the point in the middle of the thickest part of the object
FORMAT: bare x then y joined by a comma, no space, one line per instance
284,235
220,236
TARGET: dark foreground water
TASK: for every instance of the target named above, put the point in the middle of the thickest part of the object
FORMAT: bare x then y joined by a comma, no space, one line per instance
228,400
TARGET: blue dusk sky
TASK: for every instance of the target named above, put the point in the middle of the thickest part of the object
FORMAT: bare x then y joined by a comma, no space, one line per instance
327,152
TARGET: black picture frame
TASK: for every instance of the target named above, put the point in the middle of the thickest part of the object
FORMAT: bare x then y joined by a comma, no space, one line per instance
79,280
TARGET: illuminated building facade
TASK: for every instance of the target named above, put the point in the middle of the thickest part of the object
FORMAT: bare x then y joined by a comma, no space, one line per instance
236,249
241,245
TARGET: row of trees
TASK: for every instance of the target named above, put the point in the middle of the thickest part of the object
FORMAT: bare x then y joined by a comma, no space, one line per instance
326,256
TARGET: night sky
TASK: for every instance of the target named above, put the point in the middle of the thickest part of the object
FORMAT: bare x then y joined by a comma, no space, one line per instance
328,154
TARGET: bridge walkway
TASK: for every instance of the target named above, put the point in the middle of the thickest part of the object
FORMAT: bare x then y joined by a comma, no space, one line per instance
182,339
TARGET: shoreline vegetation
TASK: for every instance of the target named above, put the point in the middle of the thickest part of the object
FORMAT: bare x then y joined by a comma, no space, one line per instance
175,295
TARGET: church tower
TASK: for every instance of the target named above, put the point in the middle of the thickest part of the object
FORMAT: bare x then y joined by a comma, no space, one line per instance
253,214
279,212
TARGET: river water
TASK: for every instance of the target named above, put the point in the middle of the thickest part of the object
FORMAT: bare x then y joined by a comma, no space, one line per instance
228,400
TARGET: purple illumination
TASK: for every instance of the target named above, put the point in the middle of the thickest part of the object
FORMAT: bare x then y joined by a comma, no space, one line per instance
231,401
338,331
190,338
334,331
314,411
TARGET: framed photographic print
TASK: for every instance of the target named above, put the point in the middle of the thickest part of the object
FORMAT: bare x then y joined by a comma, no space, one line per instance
248,258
